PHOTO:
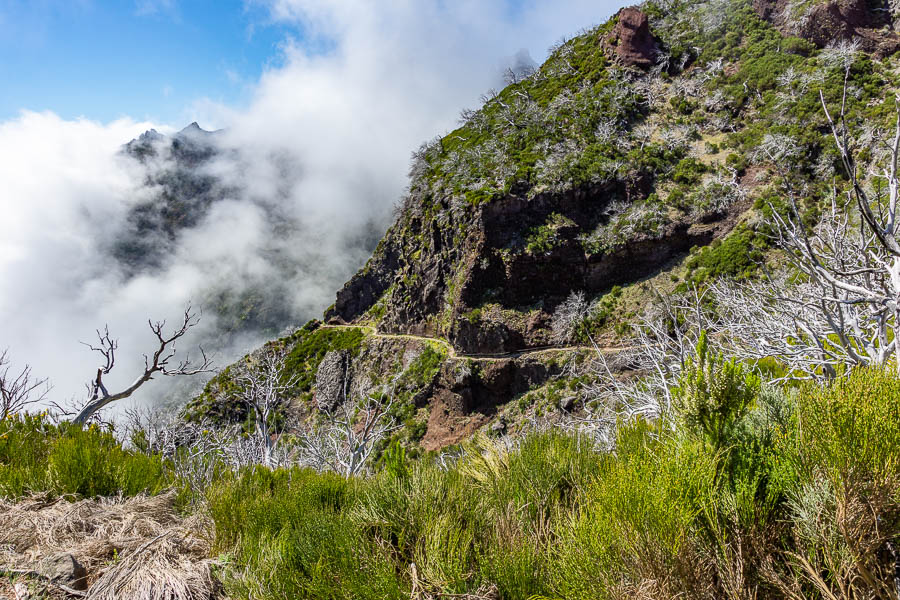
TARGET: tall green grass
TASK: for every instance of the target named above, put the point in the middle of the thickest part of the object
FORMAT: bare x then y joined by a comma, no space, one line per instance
290,535
725,498
639,519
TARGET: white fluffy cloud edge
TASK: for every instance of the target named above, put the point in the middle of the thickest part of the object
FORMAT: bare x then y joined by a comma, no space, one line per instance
325,139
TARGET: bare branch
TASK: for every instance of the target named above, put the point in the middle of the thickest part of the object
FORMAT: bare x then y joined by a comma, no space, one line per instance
160,362
19,390
350,434
838,303
568,317
264,389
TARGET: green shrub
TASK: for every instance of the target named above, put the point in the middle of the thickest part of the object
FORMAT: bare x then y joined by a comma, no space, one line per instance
728,496
688,171
310,347
713,396
37,456
541,240
394,461
737,255
602,311
473,316
544,238
428,364
290,537
840,465
850,429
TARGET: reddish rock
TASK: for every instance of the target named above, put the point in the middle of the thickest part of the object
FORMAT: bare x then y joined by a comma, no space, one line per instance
833,21
631,39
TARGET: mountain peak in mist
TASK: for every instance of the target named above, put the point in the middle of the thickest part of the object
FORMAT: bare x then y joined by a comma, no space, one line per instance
195,130
148,137
144,143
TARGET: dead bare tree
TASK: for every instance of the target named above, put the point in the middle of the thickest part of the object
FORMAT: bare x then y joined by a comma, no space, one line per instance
18,390
663,339
568,317
264,389
840,303
352,430
160,362
196,452
153,431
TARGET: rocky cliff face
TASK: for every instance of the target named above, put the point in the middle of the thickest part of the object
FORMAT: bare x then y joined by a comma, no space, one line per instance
441,398
481,280
631,39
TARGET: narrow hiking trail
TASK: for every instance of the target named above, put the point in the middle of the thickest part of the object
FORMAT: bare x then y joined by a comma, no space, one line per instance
453,354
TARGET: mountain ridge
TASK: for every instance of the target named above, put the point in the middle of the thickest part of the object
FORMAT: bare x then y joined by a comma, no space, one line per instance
587,187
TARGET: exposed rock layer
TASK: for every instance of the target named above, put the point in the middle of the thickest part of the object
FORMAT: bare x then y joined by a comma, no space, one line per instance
475,281
631,39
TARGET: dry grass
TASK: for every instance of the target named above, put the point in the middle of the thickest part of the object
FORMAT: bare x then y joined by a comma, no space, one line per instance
137,548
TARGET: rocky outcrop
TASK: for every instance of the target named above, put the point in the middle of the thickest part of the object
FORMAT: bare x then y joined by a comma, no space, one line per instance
631,40
190,147
63,569
466,399
330,379
826,22
455,398
477,279
367,286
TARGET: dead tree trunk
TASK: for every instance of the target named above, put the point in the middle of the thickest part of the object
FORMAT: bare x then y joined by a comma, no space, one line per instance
160,362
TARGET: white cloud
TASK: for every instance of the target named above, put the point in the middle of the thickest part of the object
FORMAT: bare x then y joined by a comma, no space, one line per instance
323,148
65,193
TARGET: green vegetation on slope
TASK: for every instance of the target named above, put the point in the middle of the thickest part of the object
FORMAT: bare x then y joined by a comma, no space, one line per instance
580,119
739,490
305,348
702,144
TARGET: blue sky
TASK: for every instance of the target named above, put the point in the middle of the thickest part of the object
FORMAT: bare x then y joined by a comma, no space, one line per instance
148,59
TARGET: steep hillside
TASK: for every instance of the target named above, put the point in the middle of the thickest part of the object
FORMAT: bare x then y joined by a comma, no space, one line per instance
644,156
633,334
870,24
